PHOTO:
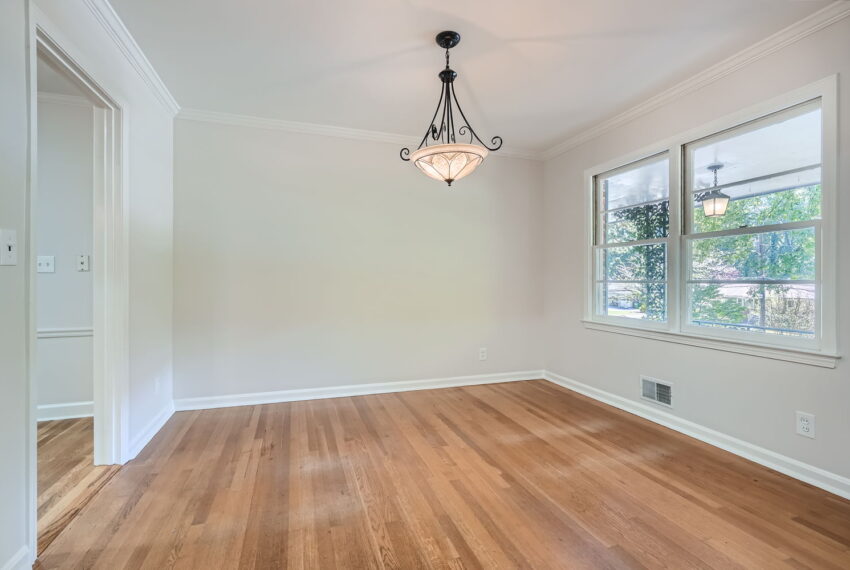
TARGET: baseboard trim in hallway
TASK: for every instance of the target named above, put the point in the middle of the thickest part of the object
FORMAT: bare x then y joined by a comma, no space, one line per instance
18,561
66,411
810,474
280,396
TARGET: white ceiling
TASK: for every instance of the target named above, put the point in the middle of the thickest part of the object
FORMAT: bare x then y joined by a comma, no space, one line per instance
534,72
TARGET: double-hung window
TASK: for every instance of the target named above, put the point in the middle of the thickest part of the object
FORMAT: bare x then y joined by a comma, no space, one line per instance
724,234
632,228
753,269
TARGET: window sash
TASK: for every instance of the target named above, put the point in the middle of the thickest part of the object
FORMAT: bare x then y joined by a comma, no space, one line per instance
599,209
599,225
678,267
756,123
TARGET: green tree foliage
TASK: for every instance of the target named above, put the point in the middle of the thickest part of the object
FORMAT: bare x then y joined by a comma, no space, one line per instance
787,255
640,263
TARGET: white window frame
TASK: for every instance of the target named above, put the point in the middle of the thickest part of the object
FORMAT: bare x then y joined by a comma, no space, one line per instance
820,351
597,244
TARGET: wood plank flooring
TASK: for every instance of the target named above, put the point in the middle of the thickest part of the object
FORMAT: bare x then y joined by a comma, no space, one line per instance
514,475
67,476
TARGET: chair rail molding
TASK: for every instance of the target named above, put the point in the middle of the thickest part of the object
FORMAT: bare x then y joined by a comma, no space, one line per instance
65,332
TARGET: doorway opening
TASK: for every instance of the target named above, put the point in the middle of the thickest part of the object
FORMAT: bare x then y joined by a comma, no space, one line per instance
77,290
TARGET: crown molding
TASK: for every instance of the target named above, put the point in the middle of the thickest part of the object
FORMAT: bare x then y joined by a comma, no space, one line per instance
63,99
324,130
824,17
105,14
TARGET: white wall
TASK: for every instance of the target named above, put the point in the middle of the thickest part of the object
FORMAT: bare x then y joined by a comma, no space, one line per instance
306,261
150,178
14,404
64,228
747,397
150,185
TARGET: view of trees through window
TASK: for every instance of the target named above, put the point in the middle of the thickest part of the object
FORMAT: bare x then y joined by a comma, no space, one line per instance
633,278
786,255
753,269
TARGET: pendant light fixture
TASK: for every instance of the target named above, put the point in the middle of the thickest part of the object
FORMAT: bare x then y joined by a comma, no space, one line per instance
714,202
440,155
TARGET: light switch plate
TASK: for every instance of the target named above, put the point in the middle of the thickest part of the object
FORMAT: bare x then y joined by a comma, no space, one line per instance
83,263
45,264
8,247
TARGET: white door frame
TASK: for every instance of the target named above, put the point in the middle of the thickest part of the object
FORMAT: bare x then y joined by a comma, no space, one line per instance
109,262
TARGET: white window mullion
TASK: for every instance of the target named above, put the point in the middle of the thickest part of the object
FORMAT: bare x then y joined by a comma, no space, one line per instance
674,244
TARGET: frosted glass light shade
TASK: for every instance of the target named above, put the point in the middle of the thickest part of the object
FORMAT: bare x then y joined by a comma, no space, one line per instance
448,162
714,204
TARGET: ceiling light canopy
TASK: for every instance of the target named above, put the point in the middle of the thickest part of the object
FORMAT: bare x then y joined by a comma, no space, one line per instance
439,155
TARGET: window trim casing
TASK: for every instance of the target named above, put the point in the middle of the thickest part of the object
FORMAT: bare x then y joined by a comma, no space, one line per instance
822,351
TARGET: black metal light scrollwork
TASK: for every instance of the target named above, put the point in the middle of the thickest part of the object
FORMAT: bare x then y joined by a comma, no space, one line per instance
439,154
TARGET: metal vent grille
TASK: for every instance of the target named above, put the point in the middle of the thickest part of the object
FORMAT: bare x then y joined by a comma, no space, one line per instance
664,394
656,391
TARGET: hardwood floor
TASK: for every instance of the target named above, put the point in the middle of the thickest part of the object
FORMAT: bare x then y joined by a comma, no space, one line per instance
515,475
67,477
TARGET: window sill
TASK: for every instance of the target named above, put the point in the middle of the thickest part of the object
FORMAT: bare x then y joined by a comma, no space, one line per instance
811,358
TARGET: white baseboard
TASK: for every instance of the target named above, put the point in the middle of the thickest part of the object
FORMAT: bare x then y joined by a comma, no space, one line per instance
146,435
18,561
252,399
816,476
65,411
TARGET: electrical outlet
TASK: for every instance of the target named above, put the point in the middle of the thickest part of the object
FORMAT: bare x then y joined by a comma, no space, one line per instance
82,263
482,353
806,424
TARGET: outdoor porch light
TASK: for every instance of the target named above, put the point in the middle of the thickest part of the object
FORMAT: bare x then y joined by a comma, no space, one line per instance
447,160
714,202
